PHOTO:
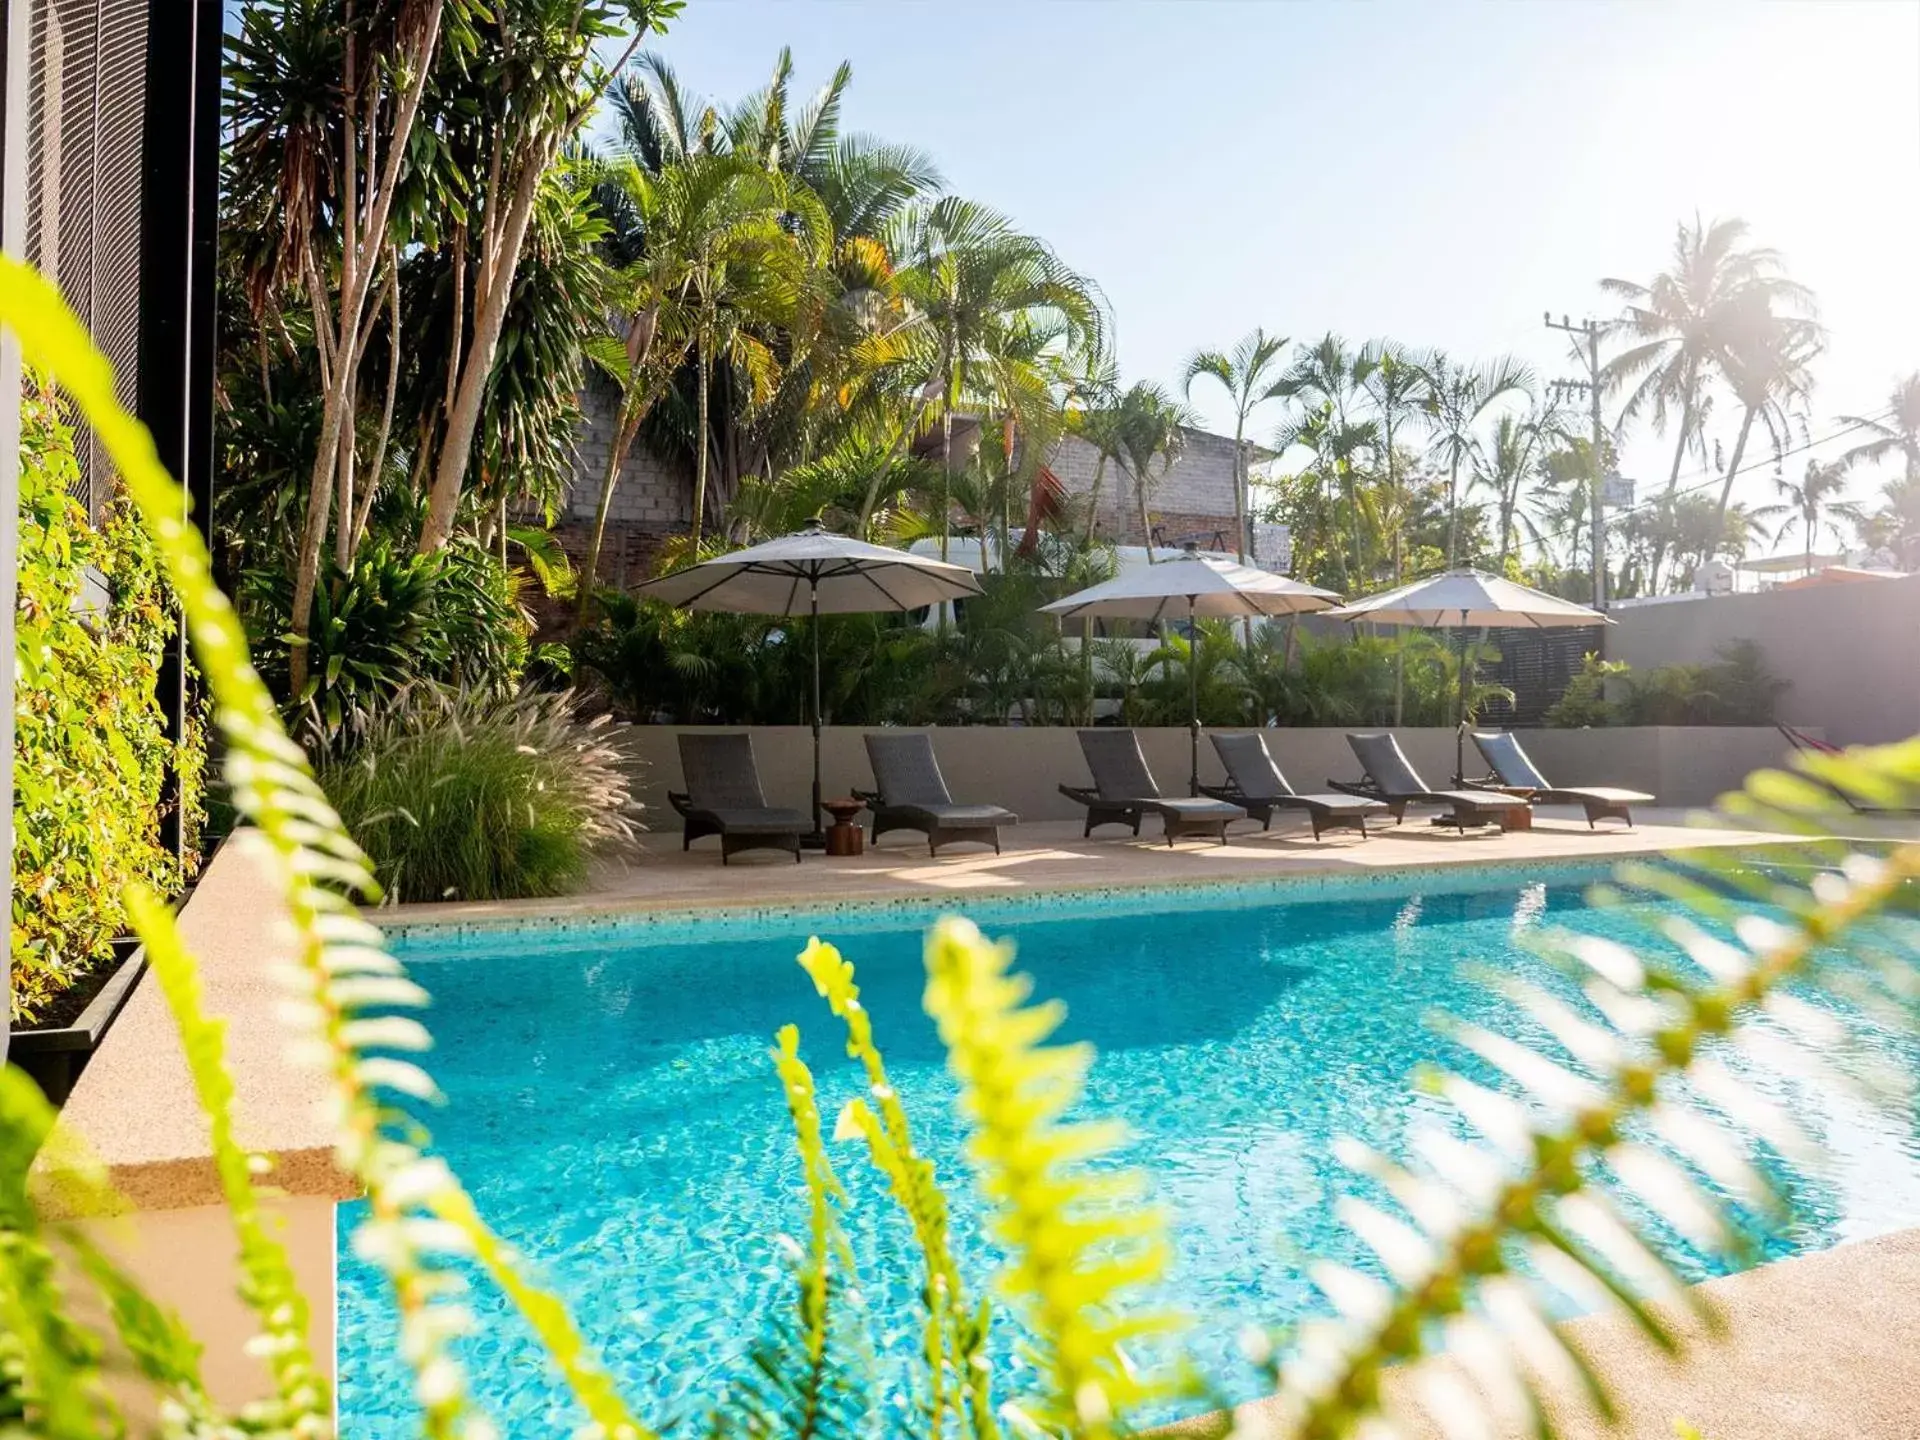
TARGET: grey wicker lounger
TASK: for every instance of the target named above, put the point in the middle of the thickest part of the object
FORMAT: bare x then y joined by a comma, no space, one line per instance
1124,790
1255,782
911,794
723,797
1515,771
1392,779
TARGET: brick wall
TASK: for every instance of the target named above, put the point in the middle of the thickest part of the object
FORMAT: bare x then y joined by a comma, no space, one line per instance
653,493
1192,500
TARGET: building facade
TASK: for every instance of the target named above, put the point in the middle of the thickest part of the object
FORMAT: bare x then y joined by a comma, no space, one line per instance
1190,500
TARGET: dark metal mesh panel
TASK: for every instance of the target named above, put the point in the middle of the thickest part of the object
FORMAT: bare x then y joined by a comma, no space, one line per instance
86,113
1536,665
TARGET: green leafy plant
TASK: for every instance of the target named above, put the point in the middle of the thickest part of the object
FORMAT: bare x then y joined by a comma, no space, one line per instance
1736,689
1584,702
396,617
461,794
90,744
1638,1051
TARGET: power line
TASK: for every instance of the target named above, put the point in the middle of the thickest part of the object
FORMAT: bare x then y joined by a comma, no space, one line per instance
1712,478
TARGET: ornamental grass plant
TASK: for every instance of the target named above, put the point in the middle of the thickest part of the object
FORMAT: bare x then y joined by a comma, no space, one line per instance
461,794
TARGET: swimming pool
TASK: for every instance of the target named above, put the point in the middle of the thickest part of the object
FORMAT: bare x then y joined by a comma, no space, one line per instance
613,1109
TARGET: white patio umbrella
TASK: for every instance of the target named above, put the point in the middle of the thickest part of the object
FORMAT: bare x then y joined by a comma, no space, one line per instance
1466,600
813,572
1188,588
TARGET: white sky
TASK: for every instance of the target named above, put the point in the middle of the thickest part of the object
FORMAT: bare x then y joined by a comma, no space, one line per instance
1439,173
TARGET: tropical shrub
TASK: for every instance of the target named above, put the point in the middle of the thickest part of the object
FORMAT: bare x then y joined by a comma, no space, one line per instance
1584,702
90,753
1736,689
452,617
465,794
1645,1051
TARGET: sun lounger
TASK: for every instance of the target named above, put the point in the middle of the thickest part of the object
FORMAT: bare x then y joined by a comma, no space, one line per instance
1254,782
1124,790
723,797
911,794
1391,779
1515,774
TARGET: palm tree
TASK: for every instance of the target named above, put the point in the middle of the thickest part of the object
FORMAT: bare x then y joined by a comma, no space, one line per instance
847,332
1398,388
1764,359
1249,377
651,332
994,314
1688,529
1330,380
1509,461
749,247
1148,425
1457,396
1681,322
1814,507
1897,433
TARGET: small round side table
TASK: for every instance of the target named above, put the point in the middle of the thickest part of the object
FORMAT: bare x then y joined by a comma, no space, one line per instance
844,837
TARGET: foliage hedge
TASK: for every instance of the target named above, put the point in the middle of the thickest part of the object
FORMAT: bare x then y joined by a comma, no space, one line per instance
90,746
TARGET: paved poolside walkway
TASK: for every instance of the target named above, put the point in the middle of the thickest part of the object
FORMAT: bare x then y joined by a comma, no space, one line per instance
1822,1347
1054,856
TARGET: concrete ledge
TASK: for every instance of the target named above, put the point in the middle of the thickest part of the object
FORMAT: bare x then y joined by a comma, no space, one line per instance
135,1109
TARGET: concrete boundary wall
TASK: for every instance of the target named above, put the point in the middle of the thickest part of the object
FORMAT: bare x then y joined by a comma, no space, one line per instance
1851,653
1022,768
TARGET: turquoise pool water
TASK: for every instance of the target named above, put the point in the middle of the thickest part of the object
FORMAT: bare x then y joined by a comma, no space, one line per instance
612,1108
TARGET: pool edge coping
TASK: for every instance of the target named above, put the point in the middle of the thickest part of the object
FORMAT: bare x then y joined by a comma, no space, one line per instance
604,912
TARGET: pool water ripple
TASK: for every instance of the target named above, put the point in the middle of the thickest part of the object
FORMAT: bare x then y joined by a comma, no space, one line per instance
613,1109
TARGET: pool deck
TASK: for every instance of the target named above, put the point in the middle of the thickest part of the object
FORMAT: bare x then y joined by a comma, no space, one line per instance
1054,856
1820,1347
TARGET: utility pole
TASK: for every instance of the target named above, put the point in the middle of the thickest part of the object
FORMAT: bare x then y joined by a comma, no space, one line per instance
1590,332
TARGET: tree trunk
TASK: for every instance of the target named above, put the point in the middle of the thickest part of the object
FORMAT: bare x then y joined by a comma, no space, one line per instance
1093,496
499,262
1673,486
1399,573
359,257
501,258
590,570
1240,487
1453,511
700,440
1146,521
946,461
1733,469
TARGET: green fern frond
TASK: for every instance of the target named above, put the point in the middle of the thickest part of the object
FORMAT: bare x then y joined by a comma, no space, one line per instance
350,985
1079,1239
808,1374
1649,1046
956,1330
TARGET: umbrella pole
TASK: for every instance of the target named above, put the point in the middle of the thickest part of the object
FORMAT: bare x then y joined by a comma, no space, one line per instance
1193,700
1460,728
813,590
